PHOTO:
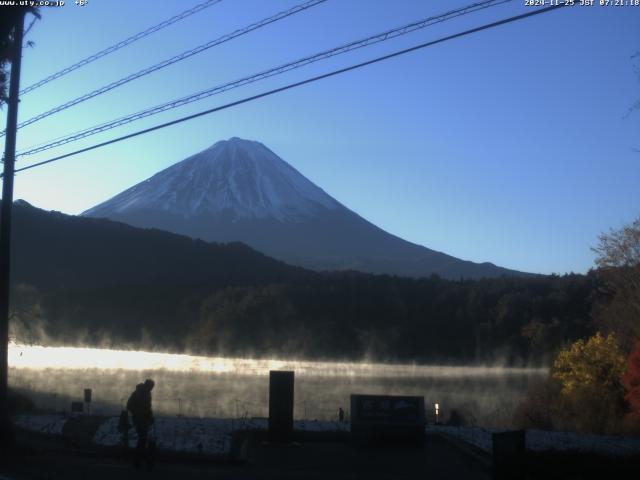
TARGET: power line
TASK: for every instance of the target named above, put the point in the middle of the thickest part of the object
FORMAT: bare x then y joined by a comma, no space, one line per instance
121,44
298,84
380,37
177,58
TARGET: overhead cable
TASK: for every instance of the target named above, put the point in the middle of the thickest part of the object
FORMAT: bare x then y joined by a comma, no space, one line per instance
172,60
298,84
380,37
119,45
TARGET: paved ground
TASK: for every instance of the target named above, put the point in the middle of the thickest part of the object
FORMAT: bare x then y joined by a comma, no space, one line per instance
41,459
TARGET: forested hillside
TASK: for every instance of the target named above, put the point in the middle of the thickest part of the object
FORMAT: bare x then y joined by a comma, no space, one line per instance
95,281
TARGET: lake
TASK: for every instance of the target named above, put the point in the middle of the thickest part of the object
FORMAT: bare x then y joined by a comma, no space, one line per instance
239,387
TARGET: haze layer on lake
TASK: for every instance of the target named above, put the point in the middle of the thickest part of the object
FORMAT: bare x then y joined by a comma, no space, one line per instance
239,387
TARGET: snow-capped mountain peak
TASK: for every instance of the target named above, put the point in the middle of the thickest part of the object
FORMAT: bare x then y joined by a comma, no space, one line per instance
236,177
239,190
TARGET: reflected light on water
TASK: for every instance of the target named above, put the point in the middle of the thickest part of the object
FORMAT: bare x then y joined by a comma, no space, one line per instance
80,358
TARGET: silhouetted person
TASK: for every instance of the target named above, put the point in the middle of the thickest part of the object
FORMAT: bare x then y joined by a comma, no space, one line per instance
340,415
123,428
139,404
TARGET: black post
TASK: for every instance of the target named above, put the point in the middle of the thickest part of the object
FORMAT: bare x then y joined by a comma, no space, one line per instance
280,405
509,455
6,431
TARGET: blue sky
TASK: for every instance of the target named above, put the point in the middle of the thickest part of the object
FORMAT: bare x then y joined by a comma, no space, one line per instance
509,146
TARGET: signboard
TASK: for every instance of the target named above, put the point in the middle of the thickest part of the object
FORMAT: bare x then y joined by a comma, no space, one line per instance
387,418
387,409
77,407
87,395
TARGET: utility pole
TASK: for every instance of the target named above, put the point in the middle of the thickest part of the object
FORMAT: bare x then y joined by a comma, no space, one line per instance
6,430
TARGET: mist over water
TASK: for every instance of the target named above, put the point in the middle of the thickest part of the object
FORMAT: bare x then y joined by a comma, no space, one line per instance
235,387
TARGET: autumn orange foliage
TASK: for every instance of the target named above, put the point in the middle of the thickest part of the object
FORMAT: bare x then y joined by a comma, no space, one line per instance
631,379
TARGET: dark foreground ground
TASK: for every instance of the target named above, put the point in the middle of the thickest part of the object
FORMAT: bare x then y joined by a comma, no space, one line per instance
40,457
312,456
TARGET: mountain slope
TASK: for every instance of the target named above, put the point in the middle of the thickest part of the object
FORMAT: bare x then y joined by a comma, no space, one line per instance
239,190
54,250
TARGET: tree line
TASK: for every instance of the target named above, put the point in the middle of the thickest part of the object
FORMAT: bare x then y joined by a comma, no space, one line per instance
344,315
594,382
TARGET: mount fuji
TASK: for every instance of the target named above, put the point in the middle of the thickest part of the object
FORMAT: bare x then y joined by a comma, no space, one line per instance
239,190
